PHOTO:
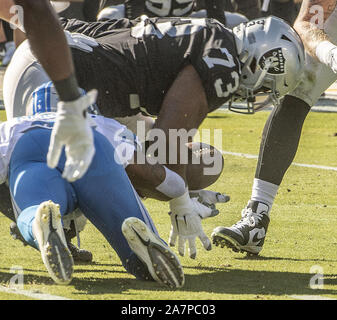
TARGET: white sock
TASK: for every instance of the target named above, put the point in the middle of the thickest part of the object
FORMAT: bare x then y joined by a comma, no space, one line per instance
264,191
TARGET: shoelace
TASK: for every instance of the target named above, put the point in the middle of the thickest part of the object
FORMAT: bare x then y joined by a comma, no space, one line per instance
249,217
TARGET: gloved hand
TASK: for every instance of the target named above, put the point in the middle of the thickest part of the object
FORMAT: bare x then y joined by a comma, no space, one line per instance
333,60
209,198
80,41
186,215
326,52
72,130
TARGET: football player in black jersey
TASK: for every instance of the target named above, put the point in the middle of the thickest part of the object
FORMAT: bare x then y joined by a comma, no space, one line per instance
137,62
181,69
132,9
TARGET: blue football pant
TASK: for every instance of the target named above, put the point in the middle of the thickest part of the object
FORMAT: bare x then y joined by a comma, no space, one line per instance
105,194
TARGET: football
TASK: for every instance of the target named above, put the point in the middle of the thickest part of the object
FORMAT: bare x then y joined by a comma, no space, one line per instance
205,165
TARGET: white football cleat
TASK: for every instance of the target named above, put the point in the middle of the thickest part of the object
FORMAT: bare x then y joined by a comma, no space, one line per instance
48,231
162,263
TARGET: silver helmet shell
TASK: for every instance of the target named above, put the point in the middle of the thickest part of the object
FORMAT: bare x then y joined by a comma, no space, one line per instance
272,59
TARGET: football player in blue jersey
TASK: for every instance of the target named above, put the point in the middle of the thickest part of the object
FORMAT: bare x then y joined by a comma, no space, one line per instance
41,197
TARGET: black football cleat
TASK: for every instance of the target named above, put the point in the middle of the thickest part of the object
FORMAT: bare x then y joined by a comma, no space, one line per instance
248,234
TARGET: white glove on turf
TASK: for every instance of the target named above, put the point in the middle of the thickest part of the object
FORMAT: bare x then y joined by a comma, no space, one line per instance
72,130
186,215
326,52
209,198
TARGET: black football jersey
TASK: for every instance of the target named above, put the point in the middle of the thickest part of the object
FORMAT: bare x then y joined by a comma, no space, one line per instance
137,61
158,8
173,8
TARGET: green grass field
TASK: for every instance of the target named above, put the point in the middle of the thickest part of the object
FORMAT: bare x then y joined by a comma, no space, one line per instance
302,232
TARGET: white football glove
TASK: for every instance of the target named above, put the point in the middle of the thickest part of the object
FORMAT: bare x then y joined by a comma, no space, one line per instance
326,52
186,216
209,198
80,41
72,130
333,61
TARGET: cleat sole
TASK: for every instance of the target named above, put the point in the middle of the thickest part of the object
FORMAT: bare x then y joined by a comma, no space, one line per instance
162,263
49,234
230,243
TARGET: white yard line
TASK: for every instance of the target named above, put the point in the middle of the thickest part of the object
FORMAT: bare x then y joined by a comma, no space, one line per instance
253,156
310,297
31,294
328,106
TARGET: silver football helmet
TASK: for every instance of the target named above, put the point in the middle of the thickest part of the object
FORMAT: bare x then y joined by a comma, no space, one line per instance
272,59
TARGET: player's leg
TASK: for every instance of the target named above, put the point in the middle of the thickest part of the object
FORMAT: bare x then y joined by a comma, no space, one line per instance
279,144
107,198
40,196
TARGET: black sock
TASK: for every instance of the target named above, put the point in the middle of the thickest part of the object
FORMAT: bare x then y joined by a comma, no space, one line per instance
280,139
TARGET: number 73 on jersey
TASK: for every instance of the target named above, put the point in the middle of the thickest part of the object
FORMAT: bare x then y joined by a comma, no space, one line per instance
227,61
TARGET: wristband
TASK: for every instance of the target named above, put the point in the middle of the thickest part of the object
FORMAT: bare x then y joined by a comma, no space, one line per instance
173,185
67,89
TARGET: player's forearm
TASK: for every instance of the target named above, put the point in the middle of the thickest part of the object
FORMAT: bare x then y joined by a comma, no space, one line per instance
310,23
155,181
310,35
49,44
47,38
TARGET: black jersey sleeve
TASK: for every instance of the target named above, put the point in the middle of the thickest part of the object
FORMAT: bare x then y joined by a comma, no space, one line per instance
94,29
218,67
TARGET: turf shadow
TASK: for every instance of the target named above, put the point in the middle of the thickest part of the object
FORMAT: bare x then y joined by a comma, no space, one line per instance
239,281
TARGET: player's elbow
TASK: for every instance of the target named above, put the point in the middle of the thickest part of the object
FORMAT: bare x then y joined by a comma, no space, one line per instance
301,26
